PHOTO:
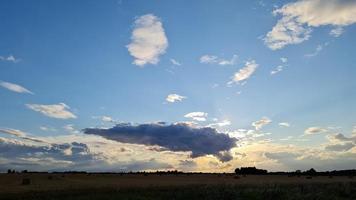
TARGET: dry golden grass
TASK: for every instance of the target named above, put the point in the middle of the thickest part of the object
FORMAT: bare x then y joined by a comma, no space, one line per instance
12,183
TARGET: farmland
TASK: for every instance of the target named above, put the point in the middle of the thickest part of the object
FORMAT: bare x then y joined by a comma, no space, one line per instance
174,186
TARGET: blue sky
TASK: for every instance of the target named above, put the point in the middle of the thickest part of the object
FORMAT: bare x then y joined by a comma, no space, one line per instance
277,78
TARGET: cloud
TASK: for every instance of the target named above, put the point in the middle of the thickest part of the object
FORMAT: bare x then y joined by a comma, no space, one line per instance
175,62
336,32
340,147
187,164
318,49
220,124
276,70
148,40
70,128
59,111
20,134
175,137
298,19
197,116
14,87
14,132
9,58
244,73
284,60
105,118
284,124
314,130
211,59
261,123
44,157
47,128
171,98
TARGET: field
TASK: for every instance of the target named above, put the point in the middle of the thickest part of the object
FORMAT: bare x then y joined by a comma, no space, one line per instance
170,186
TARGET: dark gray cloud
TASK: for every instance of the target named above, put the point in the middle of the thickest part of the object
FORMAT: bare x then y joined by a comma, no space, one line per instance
174,137
339,147
53,157
74,156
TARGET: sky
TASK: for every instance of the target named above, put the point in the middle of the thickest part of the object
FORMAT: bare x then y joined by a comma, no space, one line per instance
189,85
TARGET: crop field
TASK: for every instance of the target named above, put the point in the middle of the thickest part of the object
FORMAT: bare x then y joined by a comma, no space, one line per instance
169,186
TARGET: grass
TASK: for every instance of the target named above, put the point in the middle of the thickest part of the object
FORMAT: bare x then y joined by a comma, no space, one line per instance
209,192
151,187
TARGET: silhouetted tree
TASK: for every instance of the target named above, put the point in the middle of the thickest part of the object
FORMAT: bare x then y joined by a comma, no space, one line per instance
250,170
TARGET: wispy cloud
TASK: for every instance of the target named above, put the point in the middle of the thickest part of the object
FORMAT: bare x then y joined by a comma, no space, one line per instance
298,19
59,111
284,124
244,73
337,32
280,68
14,87
276,70
284,59
70,128
175,62
148,40
9,58
212,59
261,123
314,130
220,124
317,50
14,132
171,98
197,116
20,134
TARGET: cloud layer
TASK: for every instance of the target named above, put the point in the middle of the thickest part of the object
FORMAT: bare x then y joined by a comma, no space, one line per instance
148,40
174,137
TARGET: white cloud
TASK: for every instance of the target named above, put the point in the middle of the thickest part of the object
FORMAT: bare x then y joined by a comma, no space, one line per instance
284,124
208,59
14,132
59,111
175,62
211,59
20,134
47,128
174,98
298,19
314,130
220,124
261,123
245,72
285,32
276,70
337,31
107,119
14,87
197,116
284,60
316,52
70,128
9,58
148,40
